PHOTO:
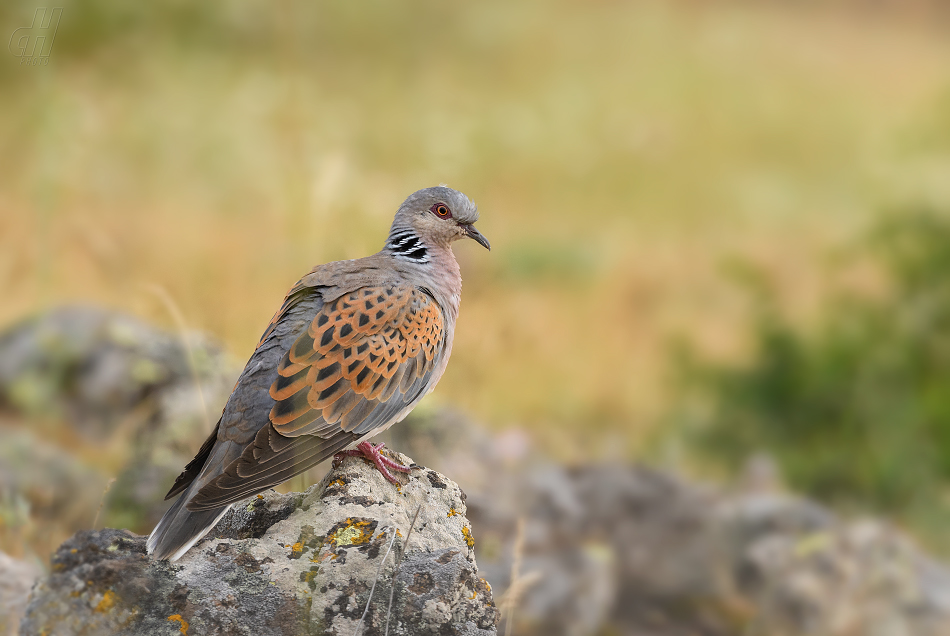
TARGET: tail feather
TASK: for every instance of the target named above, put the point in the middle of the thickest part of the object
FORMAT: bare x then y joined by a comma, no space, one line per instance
181,528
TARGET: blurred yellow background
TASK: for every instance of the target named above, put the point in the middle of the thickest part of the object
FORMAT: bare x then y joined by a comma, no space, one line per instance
720,230
622,154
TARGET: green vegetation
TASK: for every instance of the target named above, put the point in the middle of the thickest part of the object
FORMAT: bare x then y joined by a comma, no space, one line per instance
856,409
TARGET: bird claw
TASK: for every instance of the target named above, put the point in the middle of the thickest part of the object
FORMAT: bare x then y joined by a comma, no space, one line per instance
372,453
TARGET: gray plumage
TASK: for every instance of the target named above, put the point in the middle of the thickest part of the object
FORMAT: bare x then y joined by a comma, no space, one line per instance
353,348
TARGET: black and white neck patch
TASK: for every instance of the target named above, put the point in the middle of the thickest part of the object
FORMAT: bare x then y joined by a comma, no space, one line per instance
406,245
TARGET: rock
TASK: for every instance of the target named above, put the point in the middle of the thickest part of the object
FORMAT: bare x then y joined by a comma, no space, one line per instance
88,395
856,578
450,442
301,563
627,549
607,548
92,367
16,579
43,488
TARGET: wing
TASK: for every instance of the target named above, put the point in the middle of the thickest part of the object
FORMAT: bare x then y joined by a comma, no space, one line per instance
250,402
298,293
364,361
193,469
364,358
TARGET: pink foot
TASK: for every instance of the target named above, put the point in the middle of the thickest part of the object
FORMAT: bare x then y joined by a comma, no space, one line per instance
371,452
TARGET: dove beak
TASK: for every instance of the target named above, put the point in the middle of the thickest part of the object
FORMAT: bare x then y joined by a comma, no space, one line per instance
474,234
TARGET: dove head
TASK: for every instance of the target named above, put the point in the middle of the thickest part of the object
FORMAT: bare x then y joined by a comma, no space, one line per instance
433,217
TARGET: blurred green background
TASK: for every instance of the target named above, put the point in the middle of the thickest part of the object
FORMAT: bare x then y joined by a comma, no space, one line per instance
718,228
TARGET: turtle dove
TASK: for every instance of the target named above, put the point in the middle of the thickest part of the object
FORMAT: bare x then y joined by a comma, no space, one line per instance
353,348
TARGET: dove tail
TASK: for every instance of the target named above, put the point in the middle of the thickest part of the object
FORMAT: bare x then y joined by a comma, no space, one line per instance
181,528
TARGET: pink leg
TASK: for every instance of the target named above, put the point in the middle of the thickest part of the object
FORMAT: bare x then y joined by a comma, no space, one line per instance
371,452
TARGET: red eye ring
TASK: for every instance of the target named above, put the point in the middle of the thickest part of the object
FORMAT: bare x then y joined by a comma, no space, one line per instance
441,210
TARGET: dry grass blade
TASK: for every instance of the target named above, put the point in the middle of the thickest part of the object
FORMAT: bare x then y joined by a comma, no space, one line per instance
162,294
402,553
102,501
373,588
519,584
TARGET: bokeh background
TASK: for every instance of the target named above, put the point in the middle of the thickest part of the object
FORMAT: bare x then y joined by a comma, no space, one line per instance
720,229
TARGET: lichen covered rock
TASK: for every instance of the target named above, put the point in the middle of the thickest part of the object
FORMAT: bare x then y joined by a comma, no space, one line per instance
88,394
631,550
300,563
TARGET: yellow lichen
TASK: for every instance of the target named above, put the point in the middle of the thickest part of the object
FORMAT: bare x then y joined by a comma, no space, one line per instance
469,539
183,624
452,512
336,482
296,549
107,602
353,533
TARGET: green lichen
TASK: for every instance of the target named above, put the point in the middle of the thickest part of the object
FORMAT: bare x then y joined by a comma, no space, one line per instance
307,540
309,576
253,504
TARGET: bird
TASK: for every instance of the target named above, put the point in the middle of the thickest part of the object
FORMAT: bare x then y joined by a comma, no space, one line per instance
353,348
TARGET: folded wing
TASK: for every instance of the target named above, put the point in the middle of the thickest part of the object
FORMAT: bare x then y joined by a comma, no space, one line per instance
364,361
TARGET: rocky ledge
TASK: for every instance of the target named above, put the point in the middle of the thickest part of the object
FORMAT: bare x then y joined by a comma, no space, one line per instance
300,563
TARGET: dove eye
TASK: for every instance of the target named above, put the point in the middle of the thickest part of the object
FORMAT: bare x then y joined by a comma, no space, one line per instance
441,210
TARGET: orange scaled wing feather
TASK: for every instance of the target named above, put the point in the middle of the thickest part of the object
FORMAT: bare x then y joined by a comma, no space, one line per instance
365,358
